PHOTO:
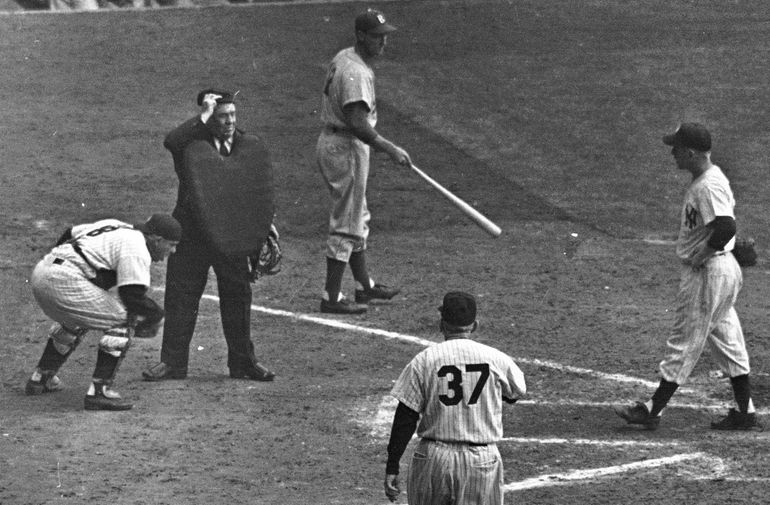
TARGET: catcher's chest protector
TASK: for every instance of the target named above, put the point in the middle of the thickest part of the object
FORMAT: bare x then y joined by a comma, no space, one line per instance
232,195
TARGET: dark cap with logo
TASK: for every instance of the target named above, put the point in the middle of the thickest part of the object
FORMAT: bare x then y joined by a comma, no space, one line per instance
458,308
373,21
690,135
162,225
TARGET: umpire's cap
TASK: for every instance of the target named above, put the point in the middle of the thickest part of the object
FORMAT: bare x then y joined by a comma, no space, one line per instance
373,21
163,225
458,309
690,135
224,96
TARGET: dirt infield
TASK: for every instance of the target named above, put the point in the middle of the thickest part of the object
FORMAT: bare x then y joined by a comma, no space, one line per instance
546,116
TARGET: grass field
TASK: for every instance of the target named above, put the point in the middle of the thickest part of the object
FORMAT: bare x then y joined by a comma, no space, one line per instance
546,115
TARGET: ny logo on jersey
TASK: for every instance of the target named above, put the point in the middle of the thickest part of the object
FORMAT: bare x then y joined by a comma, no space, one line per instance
690,216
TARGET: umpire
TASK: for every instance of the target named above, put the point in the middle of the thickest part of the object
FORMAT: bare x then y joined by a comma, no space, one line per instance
215,163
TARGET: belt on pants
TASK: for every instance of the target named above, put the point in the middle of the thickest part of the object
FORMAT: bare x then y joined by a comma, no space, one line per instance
470,444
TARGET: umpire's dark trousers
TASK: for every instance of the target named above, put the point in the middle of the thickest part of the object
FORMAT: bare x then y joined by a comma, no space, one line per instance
186,278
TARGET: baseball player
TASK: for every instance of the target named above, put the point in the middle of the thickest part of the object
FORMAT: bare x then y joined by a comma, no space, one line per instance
71,284
709,285
456,390
349,115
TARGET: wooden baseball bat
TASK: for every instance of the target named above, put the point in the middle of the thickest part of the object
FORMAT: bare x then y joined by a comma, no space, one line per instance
477,217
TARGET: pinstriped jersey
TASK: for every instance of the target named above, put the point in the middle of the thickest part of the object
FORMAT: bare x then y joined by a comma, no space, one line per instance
457,387
113,245
707,197
348,80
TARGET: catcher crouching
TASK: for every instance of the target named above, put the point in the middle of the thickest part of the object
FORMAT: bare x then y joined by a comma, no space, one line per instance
72,286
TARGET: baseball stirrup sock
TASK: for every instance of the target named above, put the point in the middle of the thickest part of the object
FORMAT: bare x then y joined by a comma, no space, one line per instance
52,359
106,366
742,391
358,267
662,395
335,269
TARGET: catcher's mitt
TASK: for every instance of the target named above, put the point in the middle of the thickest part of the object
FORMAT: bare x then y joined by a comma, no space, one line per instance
745,252
146,329
268,260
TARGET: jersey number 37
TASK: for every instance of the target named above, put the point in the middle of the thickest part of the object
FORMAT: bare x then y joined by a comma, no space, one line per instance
455,382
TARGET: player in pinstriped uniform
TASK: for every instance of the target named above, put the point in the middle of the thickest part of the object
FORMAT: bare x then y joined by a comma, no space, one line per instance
349,115
709,285
71,285
455,389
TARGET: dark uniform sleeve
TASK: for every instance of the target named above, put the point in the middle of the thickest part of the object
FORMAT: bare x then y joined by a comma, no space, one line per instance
404,424
134,297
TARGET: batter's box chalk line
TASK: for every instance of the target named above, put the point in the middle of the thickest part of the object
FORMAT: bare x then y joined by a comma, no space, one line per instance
691,466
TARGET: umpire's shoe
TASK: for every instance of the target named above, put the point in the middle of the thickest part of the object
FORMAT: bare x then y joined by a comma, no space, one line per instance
638,414
103,398
342,306
256,372
736,420
162,371
376,292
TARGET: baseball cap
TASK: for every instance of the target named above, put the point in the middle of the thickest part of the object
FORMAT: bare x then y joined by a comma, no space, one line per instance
373,21
162,225
690,135
458,308
225,96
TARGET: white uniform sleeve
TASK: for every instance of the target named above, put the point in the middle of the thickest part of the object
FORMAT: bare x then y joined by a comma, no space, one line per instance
409,389
356,85
713,201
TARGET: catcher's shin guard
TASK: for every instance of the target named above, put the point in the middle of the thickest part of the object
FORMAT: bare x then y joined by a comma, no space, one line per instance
113,348
61,343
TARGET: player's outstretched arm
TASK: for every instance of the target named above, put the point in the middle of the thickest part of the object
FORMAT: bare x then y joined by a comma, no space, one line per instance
356,117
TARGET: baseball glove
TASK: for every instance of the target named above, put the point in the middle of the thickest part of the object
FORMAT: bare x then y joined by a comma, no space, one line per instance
147,329
268,260
745,252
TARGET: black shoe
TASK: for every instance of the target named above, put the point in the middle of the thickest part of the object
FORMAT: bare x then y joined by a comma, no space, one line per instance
737,421
258,372
638,414
106,399
378,292
162,371
343,306
49,383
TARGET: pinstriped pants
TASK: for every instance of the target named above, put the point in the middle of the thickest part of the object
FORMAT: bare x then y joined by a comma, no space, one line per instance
705,315
442,473
69,298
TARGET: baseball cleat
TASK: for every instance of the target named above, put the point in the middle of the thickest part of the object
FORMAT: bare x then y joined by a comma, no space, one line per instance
258,372
638,414
343,306
105,399
47,384
162,371
377,292
735,420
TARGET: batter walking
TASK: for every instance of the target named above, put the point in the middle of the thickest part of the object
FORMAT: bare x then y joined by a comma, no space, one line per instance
709,285
455,390
349,115
71,284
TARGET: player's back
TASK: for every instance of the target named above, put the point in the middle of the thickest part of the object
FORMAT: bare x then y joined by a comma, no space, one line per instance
464,383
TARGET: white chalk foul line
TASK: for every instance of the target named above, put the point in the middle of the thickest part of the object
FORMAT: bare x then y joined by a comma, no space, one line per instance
567,478
334,323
